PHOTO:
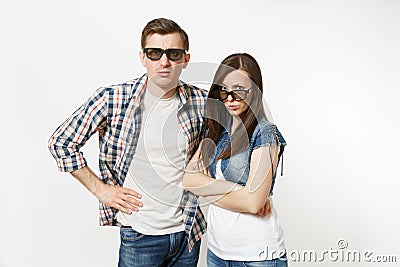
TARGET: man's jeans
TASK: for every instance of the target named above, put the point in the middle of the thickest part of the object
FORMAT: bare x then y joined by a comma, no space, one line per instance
214,261
137,249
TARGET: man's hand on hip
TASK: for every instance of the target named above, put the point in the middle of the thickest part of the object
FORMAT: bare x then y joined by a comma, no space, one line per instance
123,199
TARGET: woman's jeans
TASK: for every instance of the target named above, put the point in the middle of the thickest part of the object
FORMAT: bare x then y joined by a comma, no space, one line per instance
137,249
214,261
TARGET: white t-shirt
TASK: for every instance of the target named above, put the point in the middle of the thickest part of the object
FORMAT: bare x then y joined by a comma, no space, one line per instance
243,236
156,170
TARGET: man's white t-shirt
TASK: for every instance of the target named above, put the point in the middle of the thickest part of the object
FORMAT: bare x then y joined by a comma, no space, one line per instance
156,170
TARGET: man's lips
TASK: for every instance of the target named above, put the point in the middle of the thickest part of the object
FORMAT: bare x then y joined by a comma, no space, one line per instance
163,73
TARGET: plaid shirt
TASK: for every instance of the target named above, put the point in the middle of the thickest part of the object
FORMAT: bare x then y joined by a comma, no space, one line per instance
115,112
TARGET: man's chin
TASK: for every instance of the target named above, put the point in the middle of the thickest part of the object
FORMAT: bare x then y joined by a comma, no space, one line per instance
165,83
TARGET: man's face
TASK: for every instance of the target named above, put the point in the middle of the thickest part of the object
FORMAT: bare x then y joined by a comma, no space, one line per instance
164,72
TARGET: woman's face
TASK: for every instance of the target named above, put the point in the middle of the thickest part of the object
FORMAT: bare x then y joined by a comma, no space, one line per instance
237,80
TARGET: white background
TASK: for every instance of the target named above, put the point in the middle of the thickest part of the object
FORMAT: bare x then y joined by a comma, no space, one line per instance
331,71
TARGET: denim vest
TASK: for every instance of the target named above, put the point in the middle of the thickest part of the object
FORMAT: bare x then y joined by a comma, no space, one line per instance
236,168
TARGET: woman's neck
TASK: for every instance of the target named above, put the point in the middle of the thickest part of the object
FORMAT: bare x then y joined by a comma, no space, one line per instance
236,122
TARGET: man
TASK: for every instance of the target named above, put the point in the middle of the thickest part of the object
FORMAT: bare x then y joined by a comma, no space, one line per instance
148,130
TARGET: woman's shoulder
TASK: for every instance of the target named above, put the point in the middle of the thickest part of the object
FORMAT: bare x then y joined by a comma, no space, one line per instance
264,127
267,132
263,124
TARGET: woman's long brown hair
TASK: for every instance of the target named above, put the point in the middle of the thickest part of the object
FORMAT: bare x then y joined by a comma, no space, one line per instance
218,118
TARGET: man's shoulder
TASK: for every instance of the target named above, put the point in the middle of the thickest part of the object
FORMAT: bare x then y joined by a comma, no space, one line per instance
194,91
125,89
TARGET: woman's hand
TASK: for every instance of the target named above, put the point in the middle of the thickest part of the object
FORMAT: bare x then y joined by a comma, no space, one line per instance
264,211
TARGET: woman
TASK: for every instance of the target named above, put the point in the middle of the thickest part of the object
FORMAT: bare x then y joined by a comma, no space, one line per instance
235,168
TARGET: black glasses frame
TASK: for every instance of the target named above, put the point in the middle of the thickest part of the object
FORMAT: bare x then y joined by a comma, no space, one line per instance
167,52
233,94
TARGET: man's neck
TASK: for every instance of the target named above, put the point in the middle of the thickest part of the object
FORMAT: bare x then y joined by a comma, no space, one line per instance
160,92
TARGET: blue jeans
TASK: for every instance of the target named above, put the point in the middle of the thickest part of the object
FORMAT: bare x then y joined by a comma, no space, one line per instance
214,261
137,249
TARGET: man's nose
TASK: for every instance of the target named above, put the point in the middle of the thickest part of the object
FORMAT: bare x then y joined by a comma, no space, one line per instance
164,61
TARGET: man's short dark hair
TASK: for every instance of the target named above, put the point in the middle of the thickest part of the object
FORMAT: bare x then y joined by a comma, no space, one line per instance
164,26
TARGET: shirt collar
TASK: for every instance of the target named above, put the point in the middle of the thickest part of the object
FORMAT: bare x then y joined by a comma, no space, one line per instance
139,86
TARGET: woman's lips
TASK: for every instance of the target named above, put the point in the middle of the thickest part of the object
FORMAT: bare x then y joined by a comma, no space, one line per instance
233,107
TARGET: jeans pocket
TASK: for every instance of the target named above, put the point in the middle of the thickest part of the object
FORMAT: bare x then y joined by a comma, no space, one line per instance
258,264
128,234
266,263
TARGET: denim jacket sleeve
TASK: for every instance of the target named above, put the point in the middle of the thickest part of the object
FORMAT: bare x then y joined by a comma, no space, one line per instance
266,134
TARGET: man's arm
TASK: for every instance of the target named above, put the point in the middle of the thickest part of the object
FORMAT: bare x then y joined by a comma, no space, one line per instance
118,197
65,144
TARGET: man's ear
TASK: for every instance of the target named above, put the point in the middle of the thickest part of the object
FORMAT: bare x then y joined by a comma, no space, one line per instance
187,58
142,59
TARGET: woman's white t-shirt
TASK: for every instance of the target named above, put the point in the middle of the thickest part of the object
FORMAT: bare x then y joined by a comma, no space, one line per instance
243,236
